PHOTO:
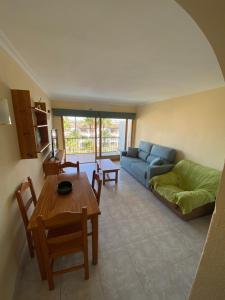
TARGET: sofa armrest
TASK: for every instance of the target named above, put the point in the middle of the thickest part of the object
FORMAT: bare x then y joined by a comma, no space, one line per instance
159,177
123,153
189,200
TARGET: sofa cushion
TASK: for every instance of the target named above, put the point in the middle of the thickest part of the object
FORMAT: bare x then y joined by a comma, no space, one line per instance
169,191
151,158
139,168
145,146
126,161
132,152
156,162
163,152
143,155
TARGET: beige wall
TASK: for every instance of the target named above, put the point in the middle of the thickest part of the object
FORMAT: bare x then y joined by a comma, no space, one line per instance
13,172
85,105
210,280
194,125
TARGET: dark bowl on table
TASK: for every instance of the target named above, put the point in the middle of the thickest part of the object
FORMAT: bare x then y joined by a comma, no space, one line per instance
64,187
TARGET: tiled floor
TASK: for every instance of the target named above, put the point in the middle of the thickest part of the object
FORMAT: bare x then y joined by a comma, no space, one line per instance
146,252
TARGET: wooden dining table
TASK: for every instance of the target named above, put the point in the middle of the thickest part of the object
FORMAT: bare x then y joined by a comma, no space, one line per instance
50,203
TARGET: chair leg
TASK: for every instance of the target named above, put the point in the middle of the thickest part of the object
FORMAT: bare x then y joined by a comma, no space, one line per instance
30,245
50,277
86,266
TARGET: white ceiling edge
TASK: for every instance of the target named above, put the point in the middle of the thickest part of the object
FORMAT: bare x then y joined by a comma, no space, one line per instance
121,102
13,53
6,44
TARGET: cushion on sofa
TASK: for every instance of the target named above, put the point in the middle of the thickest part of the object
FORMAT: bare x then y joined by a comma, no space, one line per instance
145,146
156,162
163,152
143,155
144,150
132,152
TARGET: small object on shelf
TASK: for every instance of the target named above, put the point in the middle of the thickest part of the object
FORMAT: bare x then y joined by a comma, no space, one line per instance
64,187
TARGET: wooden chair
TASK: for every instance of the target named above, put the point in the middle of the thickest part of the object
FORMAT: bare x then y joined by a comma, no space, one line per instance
24,207
65,243
96,181
69,164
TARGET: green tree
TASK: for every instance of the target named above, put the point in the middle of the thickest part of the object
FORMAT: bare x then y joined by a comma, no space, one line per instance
89,123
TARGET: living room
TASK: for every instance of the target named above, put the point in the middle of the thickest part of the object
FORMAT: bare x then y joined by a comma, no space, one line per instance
174,98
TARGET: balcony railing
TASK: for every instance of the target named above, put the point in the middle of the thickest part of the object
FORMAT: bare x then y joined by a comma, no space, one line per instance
87,145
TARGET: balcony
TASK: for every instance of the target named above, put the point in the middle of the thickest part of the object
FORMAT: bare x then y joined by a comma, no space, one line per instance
83,148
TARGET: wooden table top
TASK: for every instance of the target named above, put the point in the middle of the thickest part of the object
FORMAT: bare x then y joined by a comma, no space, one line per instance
107,165
51,203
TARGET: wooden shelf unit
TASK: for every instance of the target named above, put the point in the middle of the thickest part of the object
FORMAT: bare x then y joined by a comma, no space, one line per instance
31,123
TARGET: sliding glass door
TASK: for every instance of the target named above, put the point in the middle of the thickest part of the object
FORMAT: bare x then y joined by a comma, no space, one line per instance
86,139
113,136
79,138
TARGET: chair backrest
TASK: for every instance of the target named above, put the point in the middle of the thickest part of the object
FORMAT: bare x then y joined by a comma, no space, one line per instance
24,207
96,181
60,221
69,164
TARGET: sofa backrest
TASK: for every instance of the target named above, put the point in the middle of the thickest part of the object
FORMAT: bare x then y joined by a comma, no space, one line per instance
195,176
165,153
144,149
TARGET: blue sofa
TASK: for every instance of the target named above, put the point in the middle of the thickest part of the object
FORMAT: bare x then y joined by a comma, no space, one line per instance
150,160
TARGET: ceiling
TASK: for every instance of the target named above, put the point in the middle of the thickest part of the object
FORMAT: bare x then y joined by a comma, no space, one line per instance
124,51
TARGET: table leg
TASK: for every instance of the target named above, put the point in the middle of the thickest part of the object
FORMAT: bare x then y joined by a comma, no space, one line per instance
95,240
103,178
39,255
116,179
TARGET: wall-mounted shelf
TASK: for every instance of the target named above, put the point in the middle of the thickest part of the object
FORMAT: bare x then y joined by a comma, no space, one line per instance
39,126
38,110
31,123
42,147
